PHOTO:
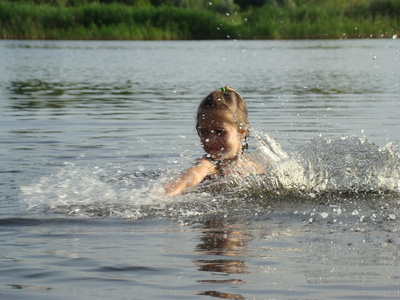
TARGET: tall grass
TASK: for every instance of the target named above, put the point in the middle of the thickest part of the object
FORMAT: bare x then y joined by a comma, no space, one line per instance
325,19
142,21
108,21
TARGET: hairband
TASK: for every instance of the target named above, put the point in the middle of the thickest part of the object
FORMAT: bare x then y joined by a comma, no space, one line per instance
223,89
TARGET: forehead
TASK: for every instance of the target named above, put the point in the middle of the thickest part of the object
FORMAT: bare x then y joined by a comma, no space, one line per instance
215,117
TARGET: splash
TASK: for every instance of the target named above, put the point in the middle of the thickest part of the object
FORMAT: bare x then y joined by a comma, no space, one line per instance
92,190
349,165
318,172
345,165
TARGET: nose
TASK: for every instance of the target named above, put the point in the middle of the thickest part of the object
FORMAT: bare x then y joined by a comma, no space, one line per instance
210,139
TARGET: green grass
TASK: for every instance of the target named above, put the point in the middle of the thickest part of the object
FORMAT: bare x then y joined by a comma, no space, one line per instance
139,20
324,19
107,21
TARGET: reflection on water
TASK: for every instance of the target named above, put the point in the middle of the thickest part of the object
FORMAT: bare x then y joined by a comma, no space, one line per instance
49,94
221,295
225,241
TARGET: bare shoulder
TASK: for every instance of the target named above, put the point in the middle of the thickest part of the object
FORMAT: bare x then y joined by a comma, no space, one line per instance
204,160
203,164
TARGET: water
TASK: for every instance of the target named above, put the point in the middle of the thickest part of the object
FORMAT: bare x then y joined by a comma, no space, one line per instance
91,130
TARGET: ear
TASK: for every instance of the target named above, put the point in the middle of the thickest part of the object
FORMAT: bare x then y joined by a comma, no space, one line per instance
242,133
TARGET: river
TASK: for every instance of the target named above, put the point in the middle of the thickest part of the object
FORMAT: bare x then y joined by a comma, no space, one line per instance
90,130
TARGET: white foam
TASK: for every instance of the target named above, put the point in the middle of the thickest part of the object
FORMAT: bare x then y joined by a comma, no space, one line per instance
349,164
343,165
95,191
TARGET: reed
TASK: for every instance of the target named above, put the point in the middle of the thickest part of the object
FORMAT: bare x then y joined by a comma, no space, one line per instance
324,19
139,20
108,21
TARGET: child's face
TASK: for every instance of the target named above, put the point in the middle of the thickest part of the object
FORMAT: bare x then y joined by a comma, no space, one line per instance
219,138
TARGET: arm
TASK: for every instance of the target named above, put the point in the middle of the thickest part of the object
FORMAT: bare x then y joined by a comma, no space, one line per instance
193,176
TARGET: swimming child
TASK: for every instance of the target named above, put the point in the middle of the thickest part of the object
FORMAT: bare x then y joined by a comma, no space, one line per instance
223,128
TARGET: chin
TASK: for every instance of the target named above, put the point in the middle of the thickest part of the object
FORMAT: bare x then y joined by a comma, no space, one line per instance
216,156
221,156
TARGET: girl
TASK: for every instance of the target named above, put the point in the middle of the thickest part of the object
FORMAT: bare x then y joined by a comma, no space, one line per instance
223,128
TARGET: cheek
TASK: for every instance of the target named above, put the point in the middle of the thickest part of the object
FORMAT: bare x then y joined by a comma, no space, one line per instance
235,140
230,140
204,140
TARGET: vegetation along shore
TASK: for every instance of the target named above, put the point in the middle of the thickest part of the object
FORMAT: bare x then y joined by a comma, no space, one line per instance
195,19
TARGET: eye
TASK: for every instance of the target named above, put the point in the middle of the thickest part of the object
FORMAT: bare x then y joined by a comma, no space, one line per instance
220,131
203,132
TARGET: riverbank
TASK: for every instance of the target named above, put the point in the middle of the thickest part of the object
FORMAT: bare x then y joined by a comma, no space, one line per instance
119,21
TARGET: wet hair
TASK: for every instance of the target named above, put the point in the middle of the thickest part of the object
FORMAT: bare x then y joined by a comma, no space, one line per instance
227,98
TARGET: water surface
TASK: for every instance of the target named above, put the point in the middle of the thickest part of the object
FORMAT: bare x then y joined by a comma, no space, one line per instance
90,130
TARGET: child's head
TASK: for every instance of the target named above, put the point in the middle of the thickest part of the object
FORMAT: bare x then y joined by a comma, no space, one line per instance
223,107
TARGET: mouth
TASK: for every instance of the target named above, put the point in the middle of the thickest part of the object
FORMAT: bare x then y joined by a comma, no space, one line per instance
215,151
216,154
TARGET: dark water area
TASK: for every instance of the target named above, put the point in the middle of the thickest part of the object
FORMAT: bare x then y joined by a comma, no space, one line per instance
91,130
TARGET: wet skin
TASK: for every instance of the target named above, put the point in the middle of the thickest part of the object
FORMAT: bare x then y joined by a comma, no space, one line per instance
221,140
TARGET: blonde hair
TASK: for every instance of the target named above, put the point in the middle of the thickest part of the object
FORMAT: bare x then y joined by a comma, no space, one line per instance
228,98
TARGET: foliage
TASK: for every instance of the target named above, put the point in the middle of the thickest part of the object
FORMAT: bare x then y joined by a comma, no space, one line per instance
195,19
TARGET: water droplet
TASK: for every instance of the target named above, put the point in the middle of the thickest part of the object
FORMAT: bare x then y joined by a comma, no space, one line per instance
394,36
324,215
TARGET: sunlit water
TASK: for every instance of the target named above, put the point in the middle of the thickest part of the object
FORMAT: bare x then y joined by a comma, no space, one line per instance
91,130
